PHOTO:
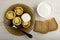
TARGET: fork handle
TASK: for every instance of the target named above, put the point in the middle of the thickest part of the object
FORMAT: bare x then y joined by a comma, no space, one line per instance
29,35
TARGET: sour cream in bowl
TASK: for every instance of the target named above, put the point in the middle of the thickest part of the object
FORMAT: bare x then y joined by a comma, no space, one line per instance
44,9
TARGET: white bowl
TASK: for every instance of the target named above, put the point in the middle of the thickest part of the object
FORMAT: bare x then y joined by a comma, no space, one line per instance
44,9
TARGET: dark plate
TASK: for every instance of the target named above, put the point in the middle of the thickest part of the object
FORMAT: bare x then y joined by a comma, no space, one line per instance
26,9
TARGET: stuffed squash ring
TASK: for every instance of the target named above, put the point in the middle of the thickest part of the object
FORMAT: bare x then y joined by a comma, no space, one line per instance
10,14
17,21
26,24
18,10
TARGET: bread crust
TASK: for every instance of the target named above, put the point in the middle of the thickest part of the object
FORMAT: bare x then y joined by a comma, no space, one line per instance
41,27
37,27
52,24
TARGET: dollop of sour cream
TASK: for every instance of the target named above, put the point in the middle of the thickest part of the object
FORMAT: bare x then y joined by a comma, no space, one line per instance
26,17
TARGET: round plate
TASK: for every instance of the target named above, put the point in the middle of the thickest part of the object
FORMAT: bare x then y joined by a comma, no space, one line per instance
26,9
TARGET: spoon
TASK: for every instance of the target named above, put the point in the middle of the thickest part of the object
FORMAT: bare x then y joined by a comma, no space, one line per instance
14,26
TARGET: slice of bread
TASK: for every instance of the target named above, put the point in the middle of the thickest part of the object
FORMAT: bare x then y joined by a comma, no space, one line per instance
41,26
37,27
44,27
52,24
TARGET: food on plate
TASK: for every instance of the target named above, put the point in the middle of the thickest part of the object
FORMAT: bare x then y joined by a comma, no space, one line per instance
10,14
26,24
26,17
52,24
26,20
18,10
17,21
41,26
45,26
19,17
